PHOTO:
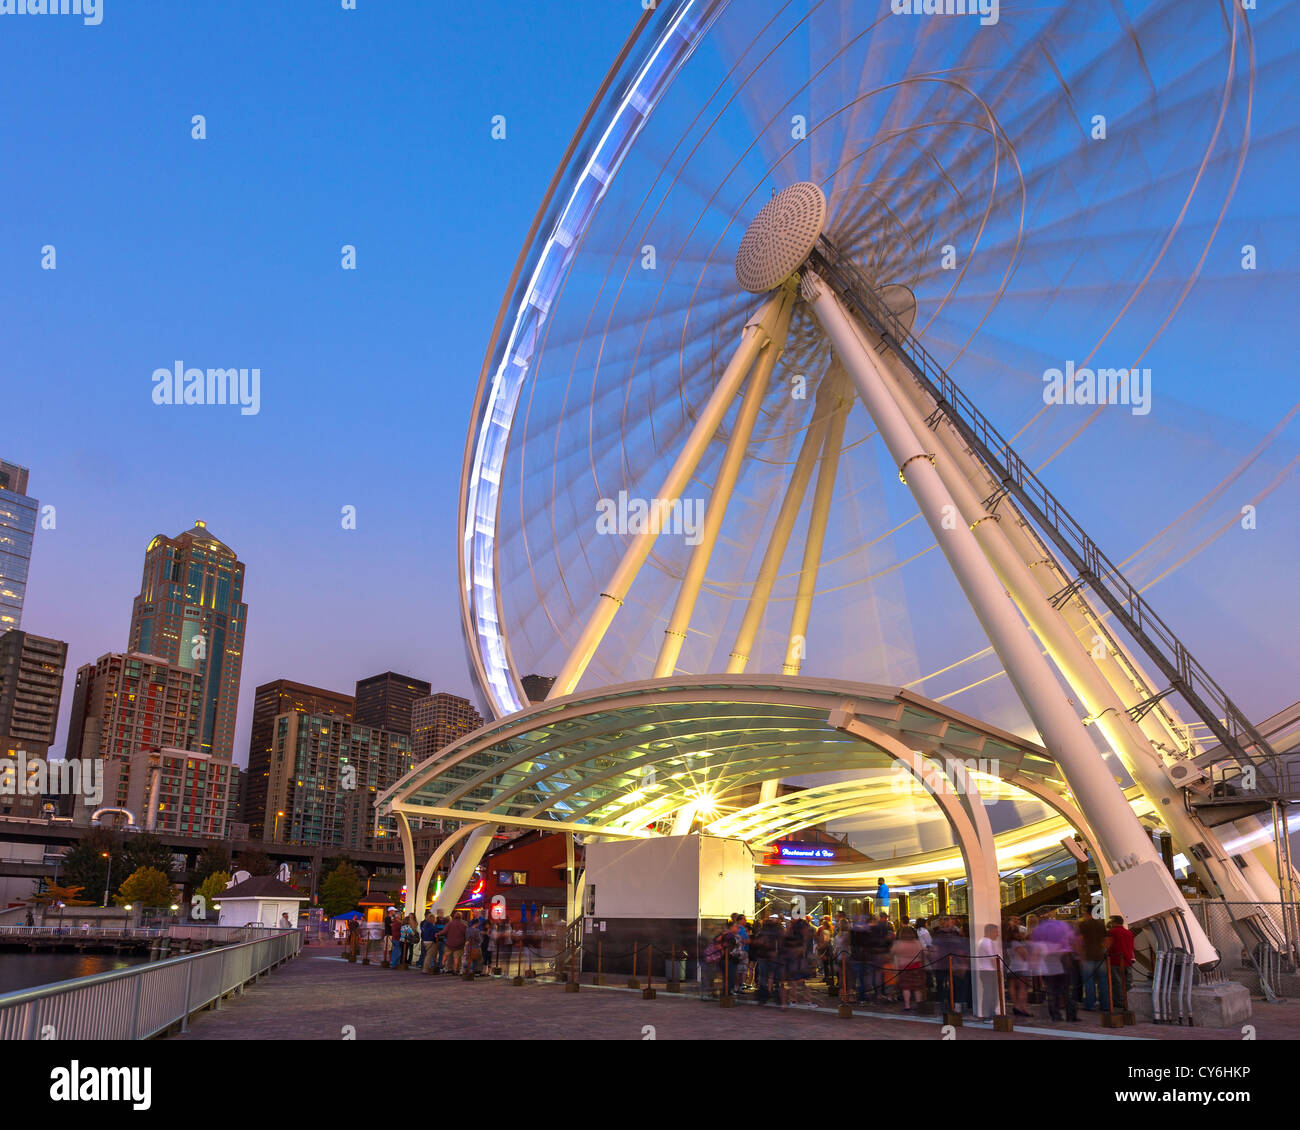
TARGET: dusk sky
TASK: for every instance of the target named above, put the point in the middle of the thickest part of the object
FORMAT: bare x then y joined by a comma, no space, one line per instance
327,127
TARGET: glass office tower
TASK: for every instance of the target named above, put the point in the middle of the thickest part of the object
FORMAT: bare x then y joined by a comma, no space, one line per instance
190,612
17,528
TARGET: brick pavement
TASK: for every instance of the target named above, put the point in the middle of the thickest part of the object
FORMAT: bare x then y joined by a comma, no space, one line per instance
316,996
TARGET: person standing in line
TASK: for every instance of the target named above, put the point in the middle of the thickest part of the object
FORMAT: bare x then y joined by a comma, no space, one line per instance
987,952
1092,961
454,941
794,962
428,940
908,957
881,941
473,947
1119,963
1055,938
1018,967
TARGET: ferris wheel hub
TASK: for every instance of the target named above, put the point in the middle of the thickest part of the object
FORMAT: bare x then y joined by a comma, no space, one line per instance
781,237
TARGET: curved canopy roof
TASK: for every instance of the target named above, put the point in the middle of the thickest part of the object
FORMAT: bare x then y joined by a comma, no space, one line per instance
620,761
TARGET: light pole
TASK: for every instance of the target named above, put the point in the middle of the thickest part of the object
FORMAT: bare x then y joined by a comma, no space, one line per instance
275,829
108,878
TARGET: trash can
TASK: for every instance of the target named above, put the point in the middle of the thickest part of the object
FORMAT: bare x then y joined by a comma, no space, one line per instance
675,968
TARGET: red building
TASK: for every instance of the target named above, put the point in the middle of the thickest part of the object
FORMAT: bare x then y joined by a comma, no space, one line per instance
528,869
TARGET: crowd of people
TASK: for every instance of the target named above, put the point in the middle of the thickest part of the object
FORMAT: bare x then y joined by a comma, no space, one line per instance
1070,960
465,941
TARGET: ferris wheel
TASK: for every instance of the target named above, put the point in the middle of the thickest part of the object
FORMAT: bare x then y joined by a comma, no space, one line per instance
798,252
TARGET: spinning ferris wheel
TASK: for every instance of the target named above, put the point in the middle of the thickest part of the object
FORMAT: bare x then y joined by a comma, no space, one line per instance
797,260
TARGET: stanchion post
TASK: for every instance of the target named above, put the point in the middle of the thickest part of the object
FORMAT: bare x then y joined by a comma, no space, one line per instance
845,1011
648,993
1001,1022
519,965
571,985
1110,1018
633,983
725,999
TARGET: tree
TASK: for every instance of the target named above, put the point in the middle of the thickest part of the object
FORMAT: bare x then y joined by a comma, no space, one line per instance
340,890
145,850
211,860
84,864
53,894
145,886
211,887
255,862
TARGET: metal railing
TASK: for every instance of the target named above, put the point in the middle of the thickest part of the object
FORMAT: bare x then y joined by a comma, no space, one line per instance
1233,729
72,930
137,1003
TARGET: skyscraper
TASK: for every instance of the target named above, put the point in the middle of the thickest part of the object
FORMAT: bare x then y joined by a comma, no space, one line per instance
31,684
385,701
125,706
537,687
439,720
269,701
17,528
325,774
190,612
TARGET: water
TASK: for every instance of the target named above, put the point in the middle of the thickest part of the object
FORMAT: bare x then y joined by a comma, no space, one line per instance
25,970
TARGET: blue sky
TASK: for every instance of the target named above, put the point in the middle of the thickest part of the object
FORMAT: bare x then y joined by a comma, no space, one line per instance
324,127
372,128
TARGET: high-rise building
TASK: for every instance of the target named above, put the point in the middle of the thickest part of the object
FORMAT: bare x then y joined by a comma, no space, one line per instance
537,687
17,529
439,720
190,612
178,791
124,706
31,684
269,701
325,774
385,701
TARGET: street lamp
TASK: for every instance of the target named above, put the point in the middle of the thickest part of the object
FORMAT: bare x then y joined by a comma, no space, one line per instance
275,829
109,877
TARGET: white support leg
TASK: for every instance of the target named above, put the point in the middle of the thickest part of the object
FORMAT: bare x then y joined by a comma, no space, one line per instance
728,474
431,865
1147,889
797,643
463,869
1073,660
758,332
795,491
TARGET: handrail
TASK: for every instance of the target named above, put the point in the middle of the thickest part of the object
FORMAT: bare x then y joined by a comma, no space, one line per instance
141,1001
1185,674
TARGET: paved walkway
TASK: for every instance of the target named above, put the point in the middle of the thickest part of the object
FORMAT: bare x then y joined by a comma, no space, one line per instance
319,996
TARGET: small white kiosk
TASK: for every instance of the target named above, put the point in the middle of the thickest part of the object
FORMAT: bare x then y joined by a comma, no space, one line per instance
259,901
